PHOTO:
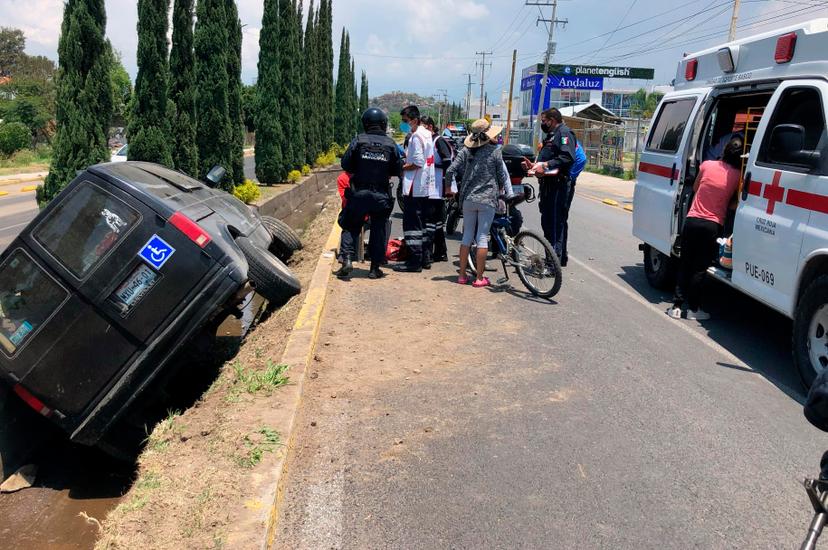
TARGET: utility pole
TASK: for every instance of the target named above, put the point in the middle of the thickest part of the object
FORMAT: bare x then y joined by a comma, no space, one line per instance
732,34
550,50
509,103
468,95
482,78
442,92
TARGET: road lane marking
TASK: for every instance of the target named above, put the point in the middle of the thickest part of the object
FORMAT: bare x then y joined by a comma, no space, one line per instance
28,188
610,202
704,339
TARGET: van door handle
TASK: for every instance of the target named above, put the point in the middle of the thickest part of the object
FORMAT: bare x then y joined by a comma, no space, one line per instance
672,174
746,187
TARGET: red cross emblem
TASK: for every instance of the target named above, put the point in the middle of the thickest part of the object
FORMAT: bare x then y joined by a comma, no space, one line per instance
774,192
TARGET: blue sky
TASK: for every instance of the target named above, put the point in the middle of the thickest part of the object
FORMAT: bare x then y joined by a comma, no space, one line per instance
426,45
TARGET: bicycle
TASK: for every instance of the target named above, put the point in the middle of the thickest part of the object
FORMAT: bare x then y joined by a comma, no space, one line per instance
535,261
817,491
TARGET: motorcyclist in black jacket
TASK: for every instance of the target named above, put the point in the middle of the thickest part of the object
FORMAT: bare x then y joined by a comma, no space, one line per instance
372,159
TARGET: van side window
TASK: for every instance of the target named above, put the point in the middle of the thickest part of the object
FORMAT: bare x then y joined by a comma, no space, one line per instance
668,127
84,227
795,139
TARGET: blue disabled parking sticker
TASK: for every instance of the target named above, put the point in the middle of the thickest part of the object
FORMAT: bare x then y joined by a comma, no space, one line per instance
156,252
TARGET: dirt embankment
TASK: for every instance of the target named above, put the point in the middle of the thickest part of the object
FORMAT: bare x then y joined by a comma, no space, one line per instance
192,476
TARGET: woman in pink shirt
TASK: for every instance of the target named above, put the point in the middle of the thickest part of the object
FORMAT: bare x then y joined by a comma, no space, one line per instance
715,188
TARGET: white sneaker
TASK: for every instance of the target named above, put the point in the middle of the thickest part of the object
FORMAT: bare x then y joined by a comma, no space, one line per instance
675,312
698,315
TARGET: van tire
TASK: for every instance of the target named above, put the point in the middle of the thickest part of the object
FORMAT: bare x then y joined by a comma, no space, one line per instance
268,274
659,269
285,241
813,301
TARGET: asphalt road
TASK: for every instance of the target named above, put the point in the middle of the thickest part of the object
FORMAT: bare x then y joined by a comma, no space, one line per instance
16,210
593,421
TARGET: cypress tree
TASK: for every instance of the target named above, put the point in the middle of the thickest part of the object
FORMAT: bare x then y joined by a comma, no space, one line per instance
234,91
182,91
310,88
363,93
327,111
342,113
83,95
212,112
270,166
149,128
354,104
287,60
296,99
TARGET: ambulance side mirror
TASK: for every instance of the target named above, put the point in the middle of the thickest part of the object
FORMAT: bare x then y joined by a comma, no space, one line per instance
787,144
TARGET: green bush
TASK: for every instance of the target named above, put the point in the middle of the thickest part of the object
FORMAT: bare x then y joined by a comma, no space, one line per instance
14,136
325,159
306,169
248,192
294,176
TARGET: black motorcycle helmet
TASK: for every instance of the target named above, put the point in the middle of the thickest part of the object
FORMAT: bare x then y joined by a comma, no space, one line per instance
374,118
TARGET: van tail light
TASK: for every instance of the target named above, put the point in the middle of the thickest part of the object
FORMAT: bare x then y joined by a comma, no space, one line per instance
190,228
785,46
31,400
690,69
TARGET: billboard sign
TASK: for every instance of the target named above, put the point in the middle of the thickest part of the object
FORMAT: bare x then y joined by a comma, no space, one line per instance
563,82
594,71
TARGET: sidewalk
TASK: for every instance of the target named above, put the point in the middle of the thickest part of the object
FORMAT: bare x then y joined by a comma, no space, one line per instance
606,188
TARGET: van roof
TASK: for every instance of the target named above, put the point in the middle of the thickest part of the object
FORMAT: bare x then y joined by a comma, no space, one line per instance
753,58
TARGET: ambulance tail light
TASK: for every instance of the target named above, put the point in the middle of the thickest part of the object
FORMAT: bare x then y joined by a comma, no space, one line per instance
31,400
690,69
190,228
785,46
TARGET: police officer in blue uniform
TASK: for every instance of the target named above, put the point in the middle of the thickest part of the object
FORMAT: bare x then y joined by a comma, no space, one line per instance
372,159
557,153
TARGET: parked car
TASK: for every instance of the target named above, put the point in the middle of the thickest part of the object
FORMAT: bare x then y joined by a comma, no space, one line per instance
120,155
117,273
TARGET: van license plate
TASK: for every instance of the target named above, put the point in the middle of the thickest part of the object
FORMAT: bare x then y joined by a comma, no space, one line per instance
136,285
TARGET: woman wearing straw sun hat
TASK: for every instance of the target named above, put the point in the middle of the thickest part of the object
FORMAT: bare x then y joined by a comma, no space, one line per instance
484,180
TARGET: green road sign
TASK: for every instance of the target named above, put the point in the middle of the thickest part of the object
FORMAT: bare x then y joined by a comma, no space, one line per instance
596,70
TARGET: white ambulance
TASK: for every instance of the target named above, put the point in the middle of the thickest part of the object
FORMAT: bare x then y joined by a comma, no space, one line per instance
773,90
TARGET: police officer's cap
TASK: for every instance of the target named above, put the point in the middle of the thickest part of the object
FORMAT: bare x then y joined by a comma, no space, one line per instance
374,117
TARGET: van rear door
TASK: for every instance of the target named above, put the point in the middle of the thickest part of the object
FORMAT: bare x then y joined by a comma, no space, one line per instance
661,166
782,195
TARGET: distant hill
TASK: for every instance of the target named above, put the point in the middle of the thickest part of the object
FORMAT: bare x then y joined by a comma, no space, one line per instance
393,102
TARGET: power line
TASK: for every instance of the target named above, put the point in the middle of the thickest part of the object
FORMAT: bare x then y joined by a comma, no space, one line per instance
483,78
626,13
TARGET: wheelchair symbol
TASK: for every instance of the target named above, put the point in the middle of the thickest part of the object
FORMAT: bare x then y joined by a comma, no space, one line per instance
158,255
156,252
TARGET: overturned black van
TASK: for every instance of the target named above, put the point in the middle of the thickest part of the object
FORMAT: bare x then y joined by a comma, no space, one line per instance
120,270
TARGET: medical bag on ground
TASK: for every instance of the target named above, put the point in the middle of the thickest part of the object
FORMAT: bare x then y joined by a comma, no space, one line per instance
397,251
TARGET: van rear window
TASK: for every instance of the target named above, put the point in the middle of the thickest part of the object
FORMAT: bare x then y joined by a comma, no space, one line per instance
28,297
669,126
84,227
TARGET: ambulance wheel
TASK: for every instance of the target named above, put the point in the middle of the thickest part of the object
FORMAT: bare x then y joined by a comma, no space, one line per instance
269,276
810,331
285,240
659,269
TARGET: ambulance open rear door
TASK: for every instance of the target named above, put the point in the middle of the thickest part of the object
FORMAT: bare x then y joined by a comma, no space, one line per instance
661,168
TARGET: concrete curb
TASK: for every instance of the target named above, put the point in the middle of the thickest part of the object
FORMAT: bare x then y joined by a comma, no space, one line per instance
298,355
22,178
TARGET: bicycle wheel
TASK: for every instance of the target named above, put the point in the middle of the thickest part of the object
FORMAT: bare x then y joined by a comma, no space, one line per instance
537,265
400,197
472,256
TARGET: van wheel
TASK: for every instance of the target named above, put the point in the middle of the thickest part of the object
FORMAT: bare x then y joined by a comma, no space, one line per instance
285,240
268,274
810,331
659,269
